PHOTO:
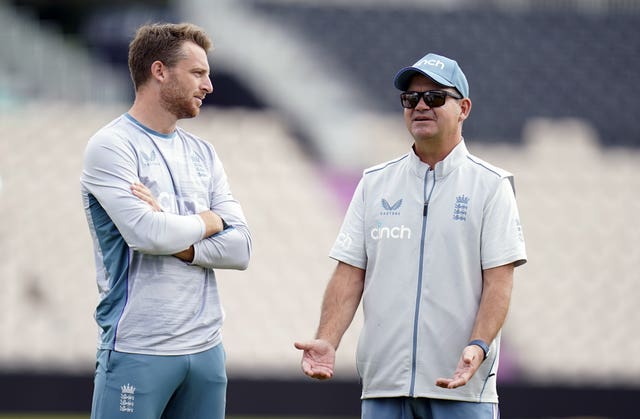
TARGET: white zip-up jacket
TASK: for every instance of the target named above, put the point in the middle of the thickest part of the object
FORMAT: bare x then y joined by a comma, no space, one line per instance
424,236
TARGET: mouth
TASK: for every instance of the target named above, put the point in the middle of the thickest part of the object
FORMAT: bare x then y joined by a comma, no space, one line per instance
423,118
423,115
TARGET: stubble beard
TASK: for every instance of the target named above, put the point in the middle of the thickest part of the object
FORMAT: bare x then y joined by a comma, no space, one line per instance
175,102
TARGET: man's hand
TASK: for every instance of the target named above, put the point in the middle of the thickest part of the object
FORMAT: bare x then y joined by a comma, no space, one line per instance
318,358
186,255
144,193
472,357
212,221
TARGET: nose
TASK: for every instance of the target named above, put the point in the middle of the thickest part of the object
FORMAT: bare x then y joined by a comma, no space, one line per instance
208,86
422,104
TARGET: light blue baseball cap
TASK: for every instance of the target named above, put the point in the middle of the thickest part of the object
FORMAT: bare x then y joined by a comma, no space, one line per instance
438,68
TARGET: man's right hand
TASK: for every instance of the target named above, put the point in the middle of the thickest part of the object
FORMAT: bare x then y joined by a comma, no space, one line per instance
212,221
318,358
144,193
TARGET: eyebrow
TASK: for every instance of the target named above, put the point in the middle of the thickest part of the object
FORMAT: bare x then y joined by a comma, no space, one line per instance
198,69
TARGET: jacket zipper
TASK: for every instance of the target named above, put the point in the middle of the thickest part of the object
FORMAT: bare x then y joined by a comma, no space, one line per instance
425,211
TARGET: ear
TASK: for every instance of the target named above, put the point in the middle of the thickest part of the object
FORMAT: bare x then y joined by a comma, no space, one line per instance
465,109
158,70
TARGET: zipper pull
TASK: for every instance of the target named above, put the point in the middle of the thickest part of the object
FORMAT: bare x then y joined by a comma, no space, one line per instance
425,209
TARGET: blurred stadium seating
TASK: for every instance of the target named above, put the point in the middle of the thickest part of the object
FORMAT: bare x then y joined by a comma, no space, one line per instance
50,291
554,90
37,62
538,61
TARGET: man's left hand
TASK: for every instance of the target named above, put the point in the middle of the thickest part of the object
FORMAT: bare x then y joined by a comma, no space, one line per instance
472,357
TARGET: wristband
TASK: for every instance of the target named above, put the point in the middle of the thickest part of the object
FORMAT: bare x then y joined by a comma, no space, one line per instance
482,344
224,224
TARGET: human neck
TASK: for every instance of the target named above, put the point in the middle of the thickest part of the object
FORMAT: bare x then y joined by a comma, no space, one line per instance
431,151
151,114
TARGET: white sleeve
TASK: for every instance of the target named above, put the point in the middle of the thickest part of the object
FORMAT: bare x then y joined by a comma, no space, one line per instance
502,238
231,248
349,246
110,167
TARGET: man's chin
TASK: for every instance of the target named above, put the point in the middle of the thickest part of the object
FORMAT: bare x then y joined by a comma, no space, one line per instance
192,113
423,134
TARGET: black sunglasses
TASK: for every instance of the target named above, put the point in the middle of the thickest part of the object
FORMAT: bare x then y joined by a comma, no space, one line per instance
433,98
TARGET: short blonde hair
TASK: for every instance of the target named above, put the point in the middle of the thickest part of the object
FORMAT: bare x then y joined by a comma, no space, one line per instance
161,42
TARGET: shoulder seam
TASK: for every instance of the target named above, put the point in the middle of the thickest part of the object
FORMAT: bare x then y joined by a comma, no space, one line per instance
385,165
481,164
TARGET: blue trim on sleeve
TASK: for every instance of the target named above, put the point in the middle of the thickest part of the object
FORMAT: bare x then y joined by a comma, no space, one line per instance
115,258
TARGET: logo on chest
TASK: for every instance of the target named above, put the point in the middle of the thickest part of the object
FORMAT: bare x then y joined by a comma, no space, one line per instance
199,165
390,209
382,232
461,208
150,159
394,232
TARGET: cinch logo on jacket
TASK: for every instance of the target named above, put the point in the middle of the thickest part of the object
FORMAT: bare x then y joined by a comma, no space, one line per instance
396,232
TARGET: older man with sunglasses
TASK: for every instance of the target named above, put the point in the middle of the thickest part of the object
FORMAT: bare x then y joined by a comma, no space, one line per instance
429,244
